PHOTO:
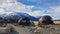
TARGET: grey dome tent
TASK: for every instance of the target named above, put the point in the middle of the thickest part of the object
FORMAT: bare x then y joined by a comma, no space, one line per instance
24,21
46,20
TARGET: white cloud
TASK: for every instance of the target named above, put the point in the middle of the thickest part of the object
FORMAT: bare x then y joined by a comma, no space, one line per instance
14,5
55,12
36,13
2,11
56,9
10,6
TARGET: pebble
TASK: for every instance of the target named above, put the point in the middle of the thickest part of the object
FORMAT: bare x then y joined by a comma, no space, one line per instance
53,29
50,33
56,28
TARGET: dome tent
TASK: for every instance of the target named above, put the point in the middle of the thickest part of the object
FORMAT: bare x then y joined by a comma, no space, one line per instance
24,21
46,20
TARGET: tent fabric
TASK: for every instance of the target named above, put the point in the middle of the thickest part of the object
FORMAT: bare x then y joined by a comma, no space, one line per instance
46,20
24,21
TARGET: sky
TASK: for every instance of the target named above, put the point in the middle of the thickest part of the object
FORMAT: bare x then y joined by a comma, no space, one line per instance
34,8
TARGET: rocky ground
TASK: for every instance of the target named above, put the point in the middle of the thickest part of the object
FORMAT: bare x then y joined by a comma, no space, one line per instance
44,29
21,30
50,29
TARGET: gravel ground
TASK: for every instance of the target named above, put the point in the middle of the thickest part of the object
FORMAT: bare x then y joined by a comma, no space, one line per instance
44,29
21,30
50,29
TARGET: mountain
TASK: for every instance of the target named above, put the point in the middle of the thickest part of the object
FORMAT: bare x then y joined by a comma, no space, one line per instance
19,15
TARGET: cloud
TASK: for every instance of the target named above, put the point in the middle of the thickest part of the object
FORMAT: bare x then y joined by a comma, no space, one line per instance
48,7
55,12
36,13
8,7
41,3
2,11
56,8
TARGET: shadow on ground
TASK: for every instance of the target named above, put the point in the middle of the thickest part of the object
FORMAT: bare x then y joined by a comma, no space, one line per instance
14,32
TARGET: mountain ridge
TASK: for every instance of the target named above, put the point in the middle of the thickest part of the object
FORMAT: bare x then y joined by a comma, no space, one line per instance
19,15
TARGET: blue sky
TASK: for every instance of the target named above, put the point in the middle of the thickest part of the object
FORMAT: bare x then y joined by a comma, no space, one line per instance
39,4
46,6
34,8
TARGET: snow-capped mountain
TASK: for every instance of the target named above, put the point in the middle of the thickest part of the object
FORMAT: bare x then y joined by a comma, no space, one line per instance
19,15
